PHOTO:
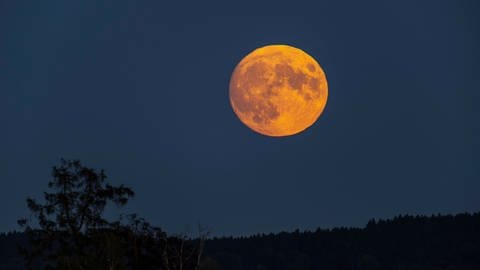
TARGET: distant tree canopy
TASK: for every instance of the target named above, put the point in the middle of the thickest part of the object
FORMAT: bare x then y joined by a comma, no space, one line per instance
405,242
70,232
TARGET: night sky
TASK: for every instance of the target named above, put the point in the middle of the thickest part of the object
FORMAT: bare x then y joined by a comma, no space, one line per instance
141,90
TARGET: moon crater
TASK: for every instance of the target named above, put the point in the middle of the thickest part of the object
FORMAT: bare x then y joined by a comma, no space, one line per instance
278,90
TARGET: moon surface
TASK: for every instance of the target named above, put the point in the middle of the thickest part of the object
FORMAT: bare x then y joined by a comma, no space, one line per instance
278,90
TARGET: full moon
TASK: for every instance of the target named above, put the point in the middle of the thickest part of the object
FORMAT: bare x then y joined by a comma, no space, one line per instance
278,90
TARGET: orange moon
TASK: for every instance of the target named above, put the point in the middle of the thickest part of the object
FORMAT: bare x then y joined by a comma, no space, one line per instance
278,90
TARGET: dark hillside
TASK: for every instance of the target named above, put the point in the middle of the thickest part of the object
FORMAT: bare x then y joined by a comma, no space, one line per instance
9,258
405,242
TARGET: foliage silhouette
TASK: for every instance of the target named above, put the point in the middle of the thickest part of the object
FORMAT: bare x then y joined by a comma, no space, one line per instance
405,242
70,231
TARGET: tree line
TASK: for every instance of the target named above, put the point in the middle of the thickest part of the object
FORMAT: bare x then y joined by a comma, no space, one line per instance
68,231
405,242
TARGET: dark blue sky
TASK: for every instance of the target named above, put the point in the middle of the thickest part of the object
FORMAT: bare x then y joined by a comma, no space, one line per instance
141,90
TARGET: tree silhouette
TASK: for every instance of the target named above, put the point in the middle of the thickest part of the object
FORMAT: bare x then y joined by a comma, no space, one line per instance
69,230
405,242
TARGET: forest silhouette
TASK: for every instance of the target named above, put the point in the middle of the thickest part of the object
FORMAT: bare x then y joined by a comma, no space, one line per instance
69,231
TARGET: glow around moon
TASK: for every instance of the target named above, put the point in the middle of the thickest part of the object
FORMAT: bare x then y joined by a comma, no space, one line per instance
278,90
